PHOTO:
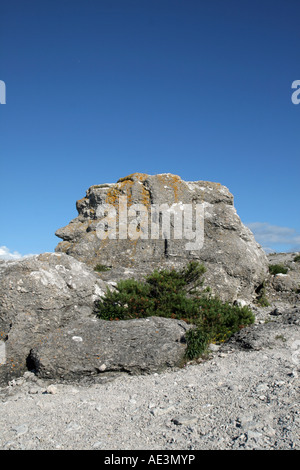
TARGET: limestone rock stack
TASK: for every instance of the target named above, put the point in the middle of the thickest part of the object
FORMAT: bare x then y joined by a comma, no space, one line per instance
125,226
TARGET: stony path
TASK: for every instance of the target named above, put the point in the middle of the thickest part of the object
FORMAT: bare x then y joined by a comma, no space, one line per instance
236,399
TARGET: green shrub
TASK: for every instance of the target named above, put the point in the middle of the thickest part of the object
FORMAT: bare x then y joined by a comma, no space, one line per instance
129,300
180,295
277,269
101,268
163,293
297,258
220,320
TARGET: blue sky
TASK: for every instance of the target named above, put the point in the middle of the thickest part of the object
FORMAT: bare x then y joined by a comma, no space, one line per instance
98,89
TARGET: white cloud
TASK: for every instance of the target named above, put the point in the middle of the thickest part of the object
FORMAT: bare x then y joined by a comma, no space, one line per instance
268,236
6,254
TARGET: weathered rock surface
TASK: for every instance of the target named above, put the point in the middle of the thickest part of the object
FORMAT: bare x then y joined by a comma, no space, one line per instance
38,295
284,287
236,264
267,335
89,347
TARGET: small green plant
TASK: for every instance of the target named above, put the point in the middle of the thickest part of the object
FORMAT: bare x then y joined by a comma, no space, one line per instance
281,337
262,299
297,258
277,269
197,341
179,295
100,268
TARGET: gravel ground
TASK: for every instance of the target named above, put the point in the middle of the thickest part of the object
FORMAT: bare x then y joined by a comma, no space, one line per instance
235,399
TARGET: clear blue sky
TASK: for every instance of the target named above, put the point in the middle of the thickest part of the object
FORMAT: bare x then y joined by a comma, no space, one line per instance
98,89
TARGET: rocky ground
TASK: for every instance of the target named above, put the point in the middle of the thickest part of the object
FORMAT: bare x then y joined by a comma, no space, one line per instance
244,395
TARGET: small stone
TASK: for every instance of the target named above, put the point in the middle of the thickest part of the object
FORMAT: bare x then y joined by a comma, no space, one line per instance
253,434
72,427
184,420
161,411
279,383
33,391
9,445
22,429
262,387
276,312
78,339
97,444
269,431
30,376
20,381
52,389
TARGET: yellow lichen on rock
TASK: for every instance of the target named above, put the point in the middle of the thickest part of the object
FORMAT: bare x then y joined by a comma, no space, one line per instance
171,181
145,200
138,176
122,188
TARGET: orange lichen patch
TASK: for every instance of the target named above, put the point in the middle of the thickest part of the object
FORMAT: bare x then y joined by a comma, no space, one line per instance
122,188
46,256
81,203
134,176
173,181
64,246
145,199
82,200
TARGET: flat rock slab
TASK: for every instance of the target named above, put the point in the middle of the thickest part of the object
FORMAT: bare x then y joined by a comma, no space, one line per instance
268,335
92,346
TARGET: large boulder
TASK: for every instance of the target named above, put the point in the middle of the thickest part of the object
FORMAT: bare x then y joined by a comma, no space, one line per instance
38,295
89,347
236,265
